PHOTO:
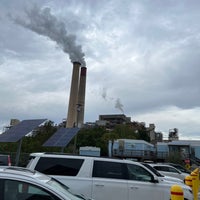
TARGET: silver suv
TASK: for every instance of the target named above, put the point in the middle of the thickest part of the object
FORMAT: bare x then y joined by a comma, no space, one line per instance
18,183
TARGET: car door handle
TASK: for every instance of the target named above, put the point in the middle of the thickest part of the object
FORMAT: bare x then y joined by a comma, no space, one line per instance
99,185
134,187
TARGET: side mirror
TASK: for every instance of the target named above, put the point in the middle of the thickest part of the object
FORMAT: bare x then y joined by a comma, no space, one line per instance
155,179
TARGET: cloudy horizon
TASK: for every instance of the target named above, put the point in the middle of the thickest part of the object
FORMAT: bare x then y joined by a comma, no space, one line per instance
142,60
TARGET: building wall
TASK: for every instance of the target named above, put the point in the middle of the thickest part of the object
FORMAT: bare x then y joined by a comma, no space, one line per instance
132,149
89,151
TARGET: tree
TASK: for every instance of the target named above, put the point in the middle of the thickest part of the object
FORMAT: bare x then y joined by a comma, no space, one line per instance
90,136
96,136
175,157
124,131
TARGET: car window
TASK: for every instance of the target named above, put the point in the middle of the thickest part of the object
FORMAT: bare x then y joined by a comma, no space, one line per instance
166,169
172,170
182,169
104,169
161,168
21,190
138,173
59,166
157,173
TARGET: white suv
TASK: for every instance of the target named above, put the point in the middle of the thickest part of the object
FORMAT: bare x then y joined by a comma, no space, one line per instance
104,178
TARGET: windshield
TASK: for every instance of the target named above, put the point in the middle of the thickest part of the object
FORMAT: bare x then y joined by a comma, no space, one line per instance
64,189
153,170
180,168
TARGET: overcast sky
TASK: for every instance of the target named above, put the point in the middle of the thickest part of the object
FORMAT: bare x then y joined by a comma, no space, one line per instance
142,59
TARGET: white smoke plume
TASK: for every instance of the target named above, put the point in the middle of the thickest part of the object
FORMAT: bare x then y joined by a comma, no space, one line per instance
44,23
118,105
104,93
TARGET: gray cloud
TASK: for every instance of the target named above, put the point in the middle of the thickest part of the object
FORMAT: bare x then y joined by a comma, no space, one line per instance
144,53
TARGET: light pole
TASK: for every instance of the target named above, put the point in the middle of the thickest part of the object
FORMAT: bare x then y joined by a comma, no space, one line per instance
78,109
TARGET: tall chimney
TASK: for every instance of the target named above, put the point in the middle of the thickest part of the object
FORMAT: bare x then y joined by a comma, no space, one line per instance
73,98
81,97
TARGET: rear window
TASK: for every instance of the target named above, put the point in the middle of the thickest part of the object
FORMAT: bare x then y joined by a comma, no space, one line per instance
59,166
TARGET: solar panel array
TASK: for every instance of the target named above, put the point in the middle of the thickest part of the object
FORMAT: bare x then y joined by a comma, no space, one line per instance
62,137
18,131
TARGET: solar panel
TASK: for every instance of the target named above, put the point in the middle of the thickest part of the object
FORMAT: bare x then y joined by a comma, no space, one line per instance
18,131
61,137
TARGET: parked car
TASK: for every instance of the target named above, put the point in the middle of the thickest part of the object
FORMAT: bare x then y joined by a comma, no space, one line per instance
169,170
18,183
105,178
161,176
179,167
5,160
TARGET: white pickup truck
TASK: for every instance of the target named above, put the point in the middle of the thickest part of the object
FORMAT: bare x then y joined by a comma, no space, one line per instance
105,178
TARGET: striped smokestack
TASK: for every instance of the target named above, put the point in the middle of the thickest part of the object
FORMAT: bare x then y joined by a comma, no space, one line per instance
73,98
81,97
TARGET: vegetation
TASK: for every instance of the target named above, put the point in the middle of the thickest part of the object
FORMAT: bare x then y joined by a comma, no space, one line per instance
95,136
175,157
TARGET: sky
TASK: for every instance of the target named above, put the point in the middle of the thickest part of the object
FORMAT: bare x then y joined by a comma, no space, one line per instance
142,59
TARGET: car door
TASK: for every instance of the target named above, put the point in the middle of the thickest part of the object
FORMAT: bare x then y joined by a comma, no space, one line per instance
141,186
109,181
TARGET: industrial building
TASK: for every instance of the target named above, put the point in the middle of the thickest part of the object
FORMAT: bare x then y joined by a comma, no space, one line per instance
115,119
188,150
128,148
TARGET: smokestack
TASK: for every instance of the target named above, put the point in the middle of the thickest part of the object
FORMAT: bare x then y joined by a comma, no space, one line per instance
73,98
81,97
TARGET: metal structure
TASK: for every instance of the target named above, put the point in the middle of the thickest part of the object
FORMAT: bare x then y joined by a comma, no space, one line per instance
62,137
17,132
